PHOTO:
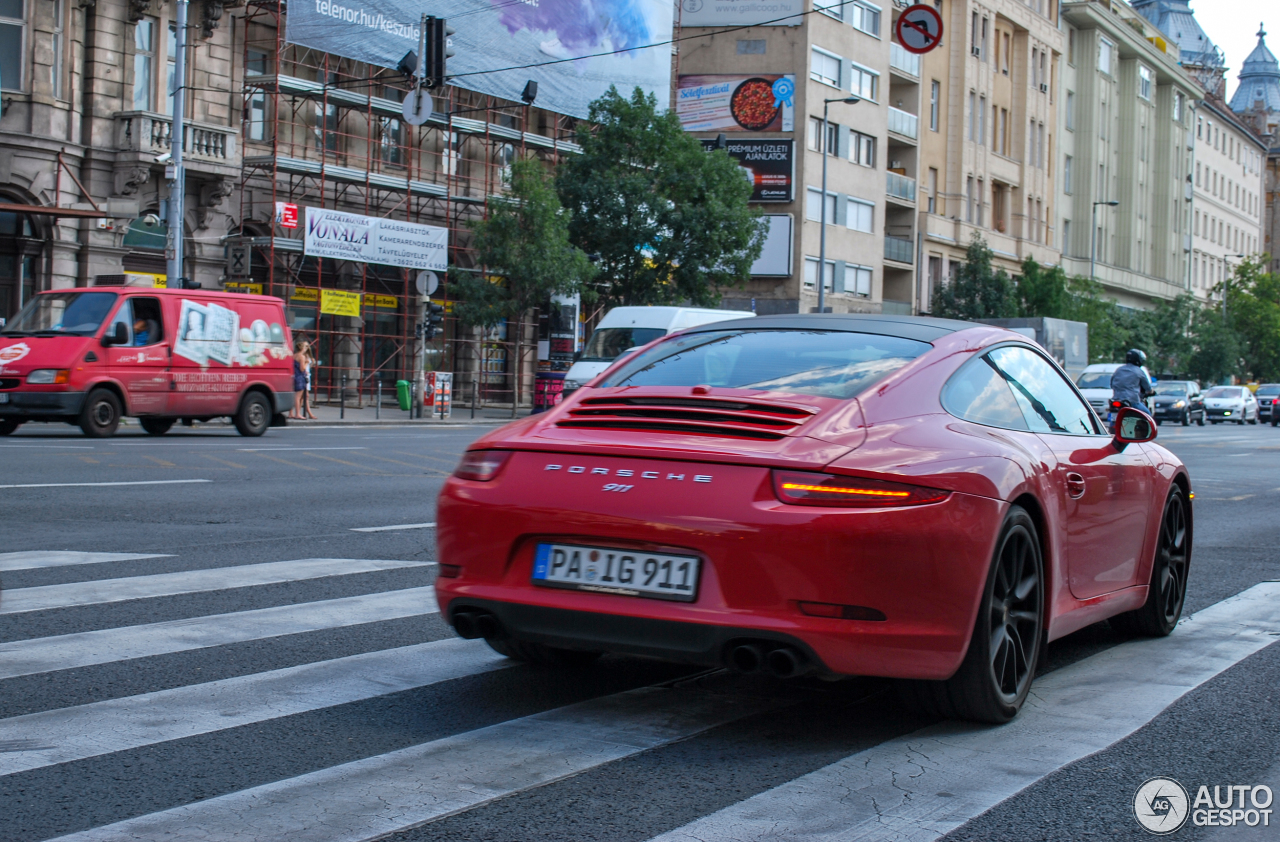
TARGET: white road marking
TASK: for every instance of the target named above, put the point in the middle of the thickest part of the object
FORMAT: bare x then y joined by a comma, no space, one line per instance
61,736
257,449
19,600
891,791
46,446
395,528
105,484
68,651
372,797
61,558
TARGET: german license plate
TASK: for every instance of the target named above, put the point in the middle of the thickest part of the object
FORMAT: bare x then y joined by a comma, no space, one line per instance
614,571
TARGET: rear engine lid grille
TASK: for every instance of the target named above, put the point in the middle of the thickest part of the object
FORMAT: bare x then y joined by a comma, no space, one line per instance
699,416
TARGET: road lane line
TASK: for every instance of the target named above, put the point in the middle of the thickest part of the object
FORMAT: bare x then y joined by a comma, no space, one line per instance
43,598
106,484
69,651
286,462
61,558
223,461
332,459
368,798
396,528
893,791
161,462
92,730
260,449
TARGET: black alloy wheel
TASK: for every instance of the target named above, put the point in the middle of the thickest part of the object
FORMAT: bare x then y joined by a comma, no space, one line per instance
156,426
254,416
8,425
996,674
101,414
1168,588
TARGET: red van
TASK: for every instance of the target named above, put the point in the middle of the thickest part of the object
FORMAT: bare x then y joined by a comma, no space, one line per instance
89,356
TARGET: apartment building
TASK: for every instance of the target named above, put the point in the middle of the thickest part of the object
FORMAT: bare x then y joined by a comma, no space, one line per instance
87,118
1257,102
989,136
870,148
1128,138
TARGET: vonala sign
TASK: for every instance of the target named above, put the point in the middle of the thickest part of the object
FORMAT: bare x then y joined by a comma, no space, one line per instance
371,239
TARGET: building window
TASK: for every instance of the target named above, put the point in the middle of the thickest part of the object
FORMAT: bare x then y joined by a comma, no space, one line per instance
391,140
1066,234
932,187
1071,47
144,57
973,116
1066,175
811,273
833,8
1044,75
832,144
985,23
1105,49
865,17
861,216
13,24
978,196
1041,152
1071,111
982,120
825,67
968,199
857,279
862,149
813,206
1145,79
864,82
975,47
935,94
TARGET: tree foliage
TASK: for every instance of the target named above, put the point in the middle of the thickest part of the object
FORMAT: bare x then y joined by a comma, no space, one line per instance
1253,314
978,291
669,220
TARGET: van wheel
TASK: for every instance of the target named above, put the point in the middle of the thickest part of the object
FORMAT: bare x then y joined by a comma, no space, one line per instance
101,414
8,425
254,416
156,426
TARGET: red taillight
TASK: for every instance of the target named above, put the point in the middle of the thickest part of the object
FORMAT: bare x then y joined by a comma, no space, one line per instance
1116,404
481,465
841,612
806,489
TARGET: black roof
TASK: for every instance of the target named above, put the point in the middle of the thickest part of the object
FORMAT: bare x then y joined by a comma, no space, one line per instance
920,328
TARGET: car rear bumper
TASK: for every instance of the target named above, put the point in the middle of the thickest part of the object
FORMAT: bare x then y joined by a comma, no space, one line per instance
36,405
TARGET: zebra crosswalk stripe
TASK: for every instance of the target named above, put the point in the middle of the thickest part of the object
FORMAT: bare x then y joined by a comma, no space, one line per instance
59,558
368,798
69,651
19,600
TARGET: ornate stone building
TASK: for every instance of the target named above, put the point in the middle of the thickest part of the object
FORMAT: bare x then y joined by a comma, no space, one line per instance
1257,102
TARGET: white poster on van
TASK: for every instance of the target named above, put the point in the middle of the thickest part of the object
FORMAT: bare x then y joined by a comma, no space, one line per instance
207,332
371,239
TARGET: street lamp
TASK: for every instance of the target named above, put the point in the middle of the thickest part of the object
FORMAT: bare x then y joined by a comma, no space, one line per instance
822,235
1093,239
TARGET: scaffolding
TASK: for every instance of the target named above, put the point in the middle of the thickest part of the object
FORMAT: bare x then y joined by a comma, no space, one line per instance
327,132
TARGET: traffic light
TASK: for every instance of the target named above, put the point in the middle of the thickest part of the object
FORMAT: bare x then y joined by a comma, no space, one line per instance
435,321
438,51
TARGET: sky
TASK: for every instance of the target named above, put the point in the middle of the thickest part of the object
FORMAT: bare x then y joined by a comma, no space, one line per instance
1233,26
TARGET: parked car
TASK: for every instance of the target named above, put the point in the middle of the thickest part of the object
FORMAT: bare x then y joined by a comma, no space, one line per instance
1180,401
91,356
624,328
1268,395
1231,403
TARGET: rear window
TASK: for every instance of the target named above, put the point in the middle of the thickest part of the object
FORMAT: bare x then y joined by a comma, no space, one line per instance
1095,380
1223,392
609,343
829,364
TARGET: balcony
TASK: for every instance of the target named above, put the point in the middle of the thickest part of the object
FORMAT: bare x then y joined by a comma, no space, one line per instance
903,123
899,250
900,59
205,146
900,187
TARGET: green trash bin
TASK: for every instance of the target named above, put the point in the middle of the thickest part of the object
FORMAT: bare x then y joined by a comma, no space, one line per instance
402,395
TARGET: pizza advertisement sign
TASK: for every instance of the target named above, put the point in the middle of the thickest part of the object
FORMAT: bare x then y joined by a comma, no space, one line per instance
760,102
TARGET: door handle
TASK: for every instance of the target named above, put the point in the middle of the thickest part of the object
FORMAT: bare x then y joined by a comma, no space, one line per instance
1075,486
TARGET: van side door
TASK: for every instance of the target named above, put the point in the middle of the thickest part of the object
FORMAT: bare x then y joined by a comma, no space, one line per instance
141,365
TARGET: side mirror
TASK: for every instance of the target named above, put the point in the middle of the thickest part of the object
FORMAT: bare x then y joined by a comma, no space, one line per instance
119,336
1133,426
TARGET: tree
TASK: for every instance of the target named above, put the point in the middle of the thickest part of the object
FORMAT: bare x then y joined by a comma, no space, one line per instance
1253,313
524,242
1217,347
1044,292
978,291
669,220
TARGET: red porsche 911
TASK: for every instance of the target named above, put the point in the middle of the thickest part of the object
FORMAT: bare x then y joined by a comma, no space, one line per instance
915,498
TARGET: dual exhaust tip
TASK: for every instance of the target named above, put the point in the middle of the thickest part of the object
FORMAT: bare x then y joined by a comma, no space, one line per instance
779,661
471,625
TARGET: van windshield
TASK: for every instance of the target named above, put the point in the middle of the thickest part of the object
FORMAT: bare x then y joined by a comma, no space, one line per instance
71,313
608,343
1095,380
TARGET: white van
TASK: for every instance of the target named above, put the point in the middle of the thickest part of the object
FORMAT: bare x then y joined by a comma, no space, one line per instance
624,328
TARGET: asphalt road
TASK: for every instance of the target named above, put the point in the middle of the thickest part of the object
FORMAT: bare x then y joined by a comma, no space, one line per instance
255,668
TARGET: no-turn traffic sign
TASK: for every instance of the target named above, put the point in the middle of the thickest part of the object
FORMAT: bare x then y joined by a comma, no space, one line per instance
919,29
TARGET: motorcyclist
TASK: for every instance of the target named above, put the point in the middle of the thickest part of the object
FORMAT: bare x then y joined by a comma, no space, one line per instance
1130,385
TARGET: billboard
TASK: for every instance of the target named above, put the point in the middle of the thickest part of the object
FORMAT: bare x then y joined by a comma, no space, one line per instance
741,13
594,45
755,103
768,163
372,239
775,258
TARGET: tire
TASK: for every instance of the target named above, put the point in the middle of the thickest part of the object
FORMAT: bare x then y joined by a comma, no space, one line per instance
991,686
1201,421
156,426
101,414
254,416
1168,587
1186,418
542,655
8,425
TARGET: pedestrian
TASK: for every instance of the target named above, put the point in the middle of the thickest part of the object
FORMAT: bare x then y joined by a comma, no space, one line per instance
299,379
309,363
